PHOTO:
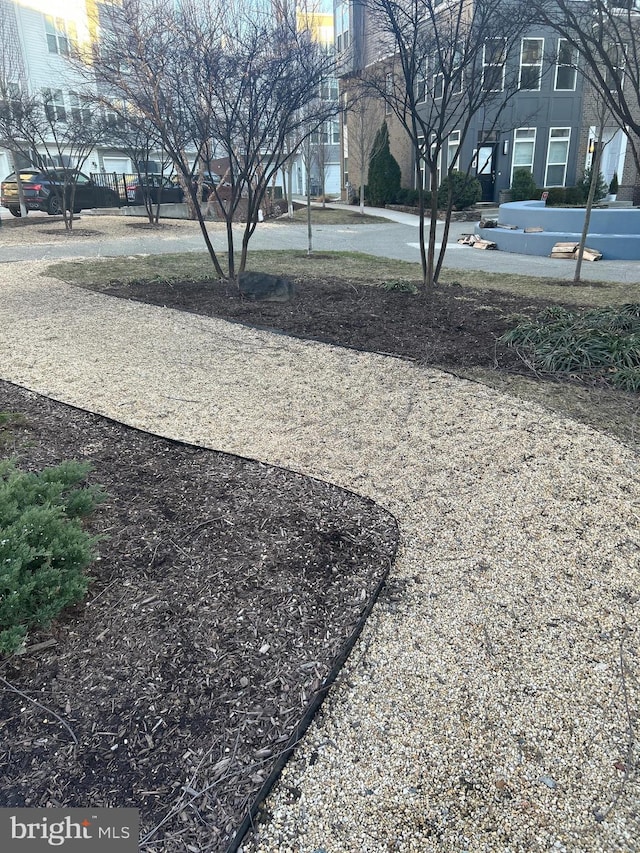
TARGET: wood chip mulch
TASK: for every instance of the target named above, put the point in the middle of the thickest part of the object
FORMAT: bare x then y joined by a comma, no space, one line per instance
224,593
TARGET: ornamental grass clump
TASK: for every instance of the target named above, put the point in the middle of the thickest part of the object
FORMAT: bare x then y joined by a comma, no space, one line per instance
44,550
603,343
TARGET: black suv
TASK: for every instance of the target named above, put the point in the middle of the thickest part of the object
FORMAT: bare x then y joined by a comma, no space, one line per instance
43,190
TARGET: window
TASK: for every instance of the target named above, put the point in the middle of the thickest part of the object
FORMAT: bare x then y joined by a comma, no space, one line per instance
524,144
421,85
531,63
449,77
11,101
566,65
614,74
453,144
80,113
327,134
113,119
54,107
60,34
421,162
557,156
342,25
329,89
457,73
438,85
493,61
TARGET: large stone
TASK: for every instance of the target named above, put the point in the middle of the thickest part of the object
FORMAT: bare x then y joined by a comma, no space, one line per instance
263,287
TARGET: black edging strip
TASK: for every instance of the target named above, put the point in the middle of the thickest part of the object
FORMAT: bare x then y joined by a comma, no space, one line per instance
307,718
339,661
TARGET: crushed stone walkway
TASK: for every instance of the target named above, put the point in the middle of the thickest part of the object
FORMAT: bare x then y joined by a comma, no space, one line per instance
492,702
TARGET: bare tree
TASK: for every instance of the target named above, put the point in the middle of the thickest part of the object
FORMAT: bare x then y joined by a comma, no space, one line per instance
446,68
361,106
42,129
138,139
220,80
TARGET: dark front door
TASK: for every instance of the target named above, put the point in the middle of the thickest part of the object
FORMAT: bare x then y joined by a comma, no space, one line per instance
486,170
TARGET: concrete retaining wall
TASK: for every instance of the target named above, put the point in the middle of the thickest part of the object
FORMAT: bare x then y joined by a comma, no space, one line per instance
615,231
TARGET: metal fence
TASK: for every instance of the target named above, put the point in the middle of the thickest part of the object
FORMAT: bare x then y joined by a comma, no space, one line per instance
117,183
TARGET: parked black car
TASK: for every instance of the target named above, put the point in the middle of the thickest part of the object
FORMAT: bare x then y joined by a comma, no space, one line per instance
43,190
158,188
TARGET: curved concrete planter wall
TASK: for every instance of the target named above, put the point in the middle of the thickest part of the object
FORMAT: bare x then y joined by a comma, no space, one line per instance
614,232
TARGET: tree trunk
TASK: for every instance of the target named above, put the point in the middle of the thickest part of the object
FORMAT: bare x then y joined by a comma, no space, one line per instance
309,232
595,174
13,164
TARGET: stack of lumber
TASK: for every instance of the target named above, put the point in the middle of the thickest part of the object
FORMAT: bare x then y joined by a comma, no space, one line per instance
570,252
476,241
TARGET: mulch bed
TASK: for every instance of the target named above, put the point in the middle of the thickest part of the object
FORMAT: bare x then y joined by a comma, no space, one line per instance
459,329
224,594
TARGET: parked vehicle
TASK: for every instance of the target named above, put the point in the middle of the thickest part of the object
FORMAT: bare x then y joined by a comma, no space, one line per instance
44,190
157,188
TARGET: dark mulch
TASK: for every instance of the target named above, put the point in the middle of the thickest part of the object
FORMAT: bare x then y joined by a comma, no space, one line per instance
224,594
460,329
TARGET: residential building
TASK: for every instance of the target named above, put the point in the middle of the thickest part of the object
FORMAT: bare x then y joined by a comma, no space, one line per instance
319,161
36,39
539,117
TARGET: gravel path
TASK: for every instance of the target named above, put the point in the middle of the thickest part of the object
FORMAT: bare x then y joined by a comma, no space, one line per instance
492,701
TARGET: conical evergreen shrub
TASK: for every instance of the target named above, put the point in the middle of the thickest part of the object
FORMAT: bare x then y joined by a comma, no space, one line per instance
384,172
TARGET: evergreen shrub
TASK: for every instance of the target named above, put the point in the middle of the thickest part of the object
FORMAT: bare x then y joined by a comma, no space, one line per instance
44,550
601,186
523,187
465,191
384,178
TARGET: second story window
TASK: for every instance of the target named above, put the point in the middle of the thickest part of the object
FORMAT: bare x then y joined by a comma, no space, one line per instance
54,107
329,89
613,73
389,92
566,66
494,55
531,63
60,34
342,25
80,112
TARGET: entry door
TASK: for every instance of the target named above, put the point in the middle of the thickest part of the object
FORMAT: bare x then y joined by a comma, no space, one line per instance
486,170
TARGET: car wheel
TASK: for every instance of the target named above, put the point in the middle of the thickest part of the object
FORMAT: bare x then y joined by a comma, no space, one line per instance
15,211
54,208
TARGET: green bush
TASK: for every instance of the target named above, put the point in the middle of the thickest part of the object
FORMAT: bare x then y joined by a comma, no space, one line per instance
523,187
43,548
407,196
556,196
603,342
601,186
574,195
560,196
384,176
613,186
465,191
